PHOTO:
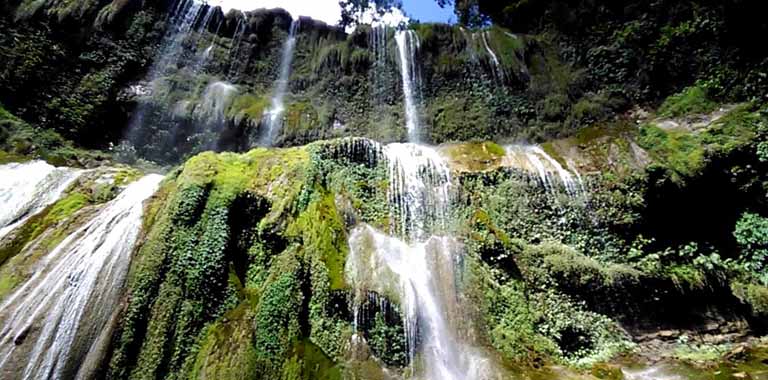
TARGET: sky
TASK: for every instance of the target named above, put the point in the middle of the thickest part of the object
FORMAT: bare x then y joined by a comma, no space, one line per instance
428,11
330,11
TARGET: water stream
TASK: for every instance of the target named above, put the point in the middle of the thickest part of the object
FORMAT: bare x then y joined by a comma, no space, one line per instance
49,325
273,118
407,47
550,173
28,188
417,267
498,71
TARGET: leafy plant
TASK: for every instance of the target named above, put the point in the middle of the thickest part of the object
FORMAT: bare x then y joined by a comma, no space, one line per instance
751,234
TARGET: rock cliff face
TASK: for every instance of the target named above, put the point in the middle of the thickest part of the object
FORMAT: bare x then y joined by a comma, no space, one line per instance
165,62
577,197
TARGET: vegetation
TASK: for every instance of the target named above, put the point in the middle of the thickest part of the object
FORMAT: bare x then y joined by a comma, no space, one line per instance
659,107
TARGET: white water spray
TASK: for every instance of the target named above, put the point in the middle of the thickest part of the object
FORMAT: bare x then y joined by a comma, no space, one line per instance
49,324
407,46
28,188
422,276
273,117
419,189
217,97
419,270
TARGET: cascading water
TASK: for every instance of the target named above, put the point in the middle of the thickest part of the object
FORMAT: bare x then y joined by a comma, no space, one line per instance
188,16
28,188
379,82
419,189
51,324
407,47
209,51
498,71
183,22
421,270
549,172
424,282
234,48
273,117
216,98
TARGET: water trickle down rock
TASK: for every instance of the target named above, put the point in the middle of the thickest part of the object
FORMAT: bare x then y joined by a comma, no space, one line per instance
185,16
28,188
234,48
48,325
498,71
408,46
550,174
273,118
379,48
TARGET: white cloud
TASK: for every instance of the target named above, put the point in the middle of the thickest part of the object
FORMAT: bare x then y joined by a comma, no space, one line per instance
324,10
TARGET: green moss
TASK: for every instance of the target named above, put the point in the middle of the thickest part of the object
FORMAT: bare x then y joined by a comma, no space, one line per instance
308,362
126,176
248,107
276,320
226,350
692,100
37,224
460,119
507,46
322,232
678,150
474,157
576,270
685,152
301,118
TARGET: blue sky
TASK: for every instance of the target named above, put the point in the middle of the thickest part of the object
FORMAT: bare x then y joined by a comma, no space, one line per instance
330,12
428,11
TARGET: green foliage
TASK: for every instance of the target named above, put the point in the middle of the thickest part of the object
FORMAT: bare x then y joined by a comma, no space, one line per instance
751,233
511,323
277,323
680,151
685,153
322,233
248,107
693,100
226,351
754,295
388,342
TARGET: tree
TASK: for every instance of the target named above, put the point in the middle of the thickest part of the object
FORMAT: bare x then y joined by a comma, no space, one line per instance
352,9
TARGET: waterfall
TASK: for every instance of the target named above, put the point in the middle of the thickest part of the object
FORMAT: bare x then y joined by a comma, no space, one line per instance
379,83
234,48
50,324
217,97
548,171
418,269
186,15
209,51
424,281
183,22
419,187
28,188
407,46
273,117
469,44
